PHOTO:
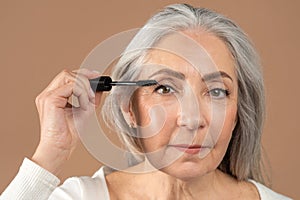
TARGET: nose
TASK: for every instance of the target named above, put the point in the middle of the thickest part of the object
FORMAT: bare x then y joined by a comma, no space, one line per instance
190,115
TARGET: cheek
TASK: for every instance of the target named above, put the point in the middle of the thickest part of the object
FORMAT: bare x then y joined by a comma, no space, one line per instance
142,113
227,126
157,124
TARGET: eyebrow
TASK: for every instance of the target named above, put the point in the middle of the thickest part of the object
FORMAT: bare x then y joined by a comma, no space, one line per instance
181,76
170,72
215,75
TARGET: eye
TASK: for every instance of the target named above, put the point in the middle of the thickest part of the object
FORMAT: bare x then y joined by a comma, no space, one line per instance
164,89
218,93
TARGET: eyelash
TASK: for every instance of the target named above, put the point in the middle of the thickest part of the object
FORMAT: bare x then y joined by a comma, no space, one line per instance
171,89
223,91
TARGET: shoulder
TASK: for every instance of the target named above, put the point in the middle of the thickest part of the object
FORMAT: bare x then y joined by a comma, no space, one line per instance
268,194
83,187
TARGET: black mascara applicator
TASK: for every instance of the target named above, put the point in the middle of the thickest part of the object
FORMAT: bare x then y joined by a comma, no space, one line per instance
105,83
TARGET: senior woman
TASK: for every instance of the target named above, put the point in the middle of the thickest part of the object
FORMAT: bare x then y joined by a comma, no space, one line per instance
199,128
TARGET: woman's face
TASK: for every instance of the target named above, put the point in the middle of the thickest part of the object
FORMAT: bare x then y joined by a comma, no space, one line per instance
185,122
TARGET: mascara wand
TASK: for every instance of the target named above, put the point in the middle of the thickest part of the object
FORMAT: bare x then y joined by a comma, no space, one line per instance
105,83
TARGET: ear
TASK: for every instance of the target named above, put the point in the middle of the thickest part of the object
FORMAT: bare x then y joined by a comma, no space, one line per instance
128,114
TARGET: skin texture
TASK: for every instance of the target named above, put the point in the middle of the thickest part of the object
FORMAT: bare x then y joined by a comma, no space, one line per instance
196,112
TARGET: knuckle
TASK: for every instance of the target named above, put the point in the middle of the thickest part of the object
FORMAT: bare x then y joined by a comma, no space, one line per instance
46,98
66,76
65,71
37,100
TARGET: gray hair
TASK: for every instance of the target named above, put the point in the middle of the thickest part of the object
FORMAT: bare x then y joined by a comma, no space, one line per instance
243,157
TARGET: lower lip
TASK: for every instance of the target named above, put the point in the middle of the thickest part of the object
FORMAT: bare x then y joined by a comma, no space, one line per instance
195,150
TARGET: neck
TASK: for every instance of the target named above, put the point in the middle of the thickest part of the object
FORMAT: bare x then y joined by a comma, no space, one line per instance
175,188
210,185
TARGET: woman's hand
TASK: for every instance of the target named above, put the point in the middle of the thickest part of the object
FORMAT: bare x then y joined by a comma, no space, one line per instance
59,135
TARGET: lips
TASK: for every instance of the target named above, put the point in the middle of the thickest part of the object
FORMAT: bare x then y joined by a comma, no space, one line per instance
190,149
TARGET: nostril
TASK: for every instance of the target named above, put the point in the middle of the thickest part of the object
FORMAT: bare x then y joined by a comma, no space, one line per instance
191,123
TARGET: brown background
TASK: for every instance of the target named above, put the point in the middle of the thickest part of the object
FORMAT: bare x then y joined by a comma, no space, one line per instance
40,38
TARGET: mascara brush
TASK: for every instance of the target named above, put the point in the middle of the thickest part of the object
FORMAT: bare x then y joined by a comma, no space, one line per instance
105,83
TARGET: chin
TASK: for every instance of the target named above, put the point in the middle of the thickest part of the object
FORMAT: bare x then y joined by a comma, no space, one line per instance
187,170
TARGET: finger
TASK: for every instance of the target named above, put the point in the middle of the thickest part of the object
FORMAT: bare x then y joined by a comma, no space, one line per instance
83,81
66,77
57,98
82,94
61,79
61,95
88,73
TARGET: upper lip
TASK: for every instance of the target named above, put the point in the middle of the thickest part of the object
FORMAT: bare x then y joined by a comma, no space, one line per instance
188,146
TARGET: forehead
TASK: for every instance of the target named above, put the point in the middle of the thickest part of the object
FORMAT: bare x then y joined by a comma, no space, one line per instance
190,52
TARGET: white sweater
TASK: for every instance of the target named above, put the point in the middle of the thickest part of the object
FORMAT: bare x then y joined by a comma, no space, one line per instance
35,183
